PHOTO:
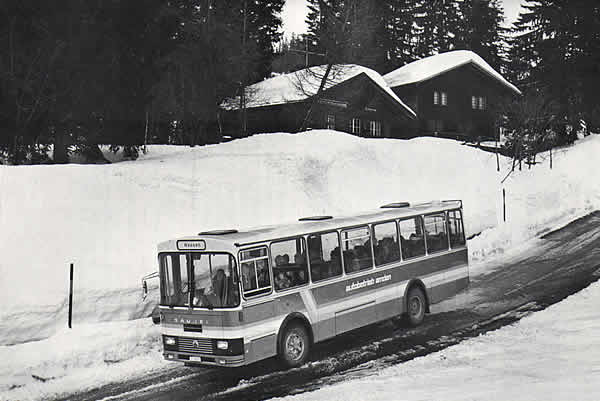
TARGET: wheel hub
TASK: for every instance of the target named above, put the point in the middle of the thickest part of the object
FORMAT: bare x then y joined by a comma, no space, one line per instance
294,346
415,306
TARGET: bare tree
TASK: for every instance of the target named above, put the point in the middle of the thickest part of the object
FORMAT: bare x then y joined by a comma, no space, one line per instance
531,127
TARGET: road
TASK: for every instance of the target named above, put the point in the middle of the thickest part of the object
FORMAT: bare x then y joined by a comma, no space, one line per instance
561,263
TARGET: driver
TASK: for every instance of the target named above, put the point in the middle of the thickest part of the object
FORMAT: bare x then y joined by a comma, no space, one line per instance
215,291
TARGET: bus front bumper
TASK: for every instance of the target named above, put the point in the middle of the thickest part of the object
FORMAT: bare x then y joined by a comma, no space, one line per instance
213,360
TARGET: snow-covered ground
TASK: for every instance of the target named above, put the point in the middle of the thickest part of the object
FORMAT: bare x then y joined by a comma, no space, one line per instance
107,220
550,355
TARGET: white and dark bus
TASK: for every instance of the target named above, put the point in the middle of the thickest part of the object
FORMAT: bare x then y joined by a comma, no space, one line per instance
231,298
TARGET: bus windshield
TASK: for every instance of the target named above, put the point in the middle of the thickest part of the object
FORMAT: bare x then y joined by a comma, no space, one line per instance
206,280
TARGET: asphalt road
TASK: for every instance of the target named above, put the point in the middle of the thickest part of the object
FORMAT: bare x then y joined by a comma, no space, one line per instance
561,263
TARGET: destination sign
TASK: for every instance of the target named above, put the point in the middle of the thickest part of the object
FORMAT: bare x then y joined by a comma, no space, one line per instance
191,245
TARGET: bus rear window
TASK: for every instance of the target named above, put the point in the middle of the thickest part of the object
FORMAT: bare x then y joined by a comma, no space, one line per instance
457,235
256,279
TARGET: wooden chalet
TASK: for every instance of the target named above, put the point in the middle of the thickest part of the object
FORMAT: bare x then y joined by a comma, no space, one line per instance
356,100
453,94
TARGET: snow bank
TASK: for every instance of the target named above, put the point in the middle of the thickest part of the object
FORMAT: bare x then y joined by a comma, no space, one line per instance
107,219
550,355
79,359
541,199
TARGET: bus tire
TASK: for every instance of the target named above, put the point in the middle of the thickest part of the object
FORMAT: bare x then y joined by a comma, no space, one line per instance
416,305
294,346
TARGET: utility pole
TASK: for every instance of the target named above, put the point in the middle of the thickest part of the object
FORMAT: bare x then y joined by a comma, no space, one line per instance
307,52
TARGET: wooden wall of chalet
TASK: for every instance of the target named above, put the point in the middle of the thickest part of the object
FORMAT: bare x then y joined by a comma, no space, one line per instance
458,118
361,98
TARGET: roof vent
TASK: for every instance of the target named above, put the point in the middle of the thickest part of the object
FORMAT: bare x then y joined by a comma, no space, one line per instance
395,205
218,232
315,218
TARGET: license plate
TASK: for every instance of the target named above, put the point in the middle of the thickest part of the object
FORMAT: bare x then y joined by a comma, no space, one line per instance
195,359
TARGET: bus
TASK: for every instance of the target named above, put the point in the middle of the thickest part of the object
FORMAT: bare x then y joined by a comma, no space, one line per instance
230,298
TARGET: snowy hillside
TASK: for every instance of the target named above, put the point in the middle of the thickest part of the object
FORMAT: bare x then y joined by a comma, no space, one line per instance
107,219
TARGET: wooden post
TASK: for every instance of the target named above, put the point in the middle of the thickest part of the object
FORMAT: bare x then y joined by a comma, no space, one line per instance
504,203
71,295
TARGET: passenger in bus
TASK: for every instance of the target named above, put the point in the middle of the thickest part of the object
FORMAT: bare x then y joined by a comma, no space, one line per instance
363,256
286,259
302,278
315,255
263,273
300,259
417,245
282,281
279,260
386,251
349,261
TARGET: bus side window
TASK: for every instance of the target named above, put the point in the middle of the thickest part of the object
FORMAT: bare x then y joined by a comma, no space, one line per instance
412,240
455,224
386,245
435,232
324,256
256,279
288,259
356,248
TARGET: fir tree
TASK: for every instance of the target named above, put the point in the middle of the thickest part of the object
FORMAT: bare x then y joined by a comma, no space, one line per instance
556,50
481,31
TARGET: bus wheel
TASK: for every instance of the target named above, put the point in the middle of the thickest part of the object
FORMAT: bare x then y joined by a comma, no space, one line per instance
295,345
415,305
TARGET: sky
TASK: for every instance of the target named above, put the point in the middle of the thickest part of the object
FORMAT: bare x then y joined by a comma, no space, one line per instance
295,11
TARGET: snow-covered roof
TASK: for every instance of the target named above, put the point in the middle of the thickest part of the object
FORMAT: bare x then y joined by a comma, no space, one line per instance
429,67
300,85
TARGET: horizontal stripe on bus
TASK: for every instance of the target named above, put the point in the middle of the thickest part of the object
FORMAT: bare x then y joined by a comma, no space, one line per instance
257,330
378,278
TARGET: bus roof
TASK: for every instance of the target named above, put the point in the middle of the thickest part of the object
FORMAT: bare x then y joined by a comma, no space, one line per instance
323,223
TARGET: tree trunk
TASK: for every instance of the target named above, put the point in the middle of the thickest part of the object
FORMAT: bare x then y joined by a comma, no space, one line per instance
60,154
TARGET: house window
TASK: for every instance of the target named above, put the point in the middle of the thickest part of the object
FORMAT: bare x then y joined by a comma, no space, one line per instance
330,121
355,126
478,102
375,128
440,98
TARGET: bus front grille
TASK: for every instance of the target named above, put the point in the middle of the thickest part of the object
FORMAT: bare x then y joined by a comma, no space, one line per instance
195,345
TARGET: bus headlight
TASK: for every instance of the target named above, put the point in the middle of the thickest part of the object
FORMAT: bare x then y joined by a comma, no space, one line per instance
222,345
170,341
